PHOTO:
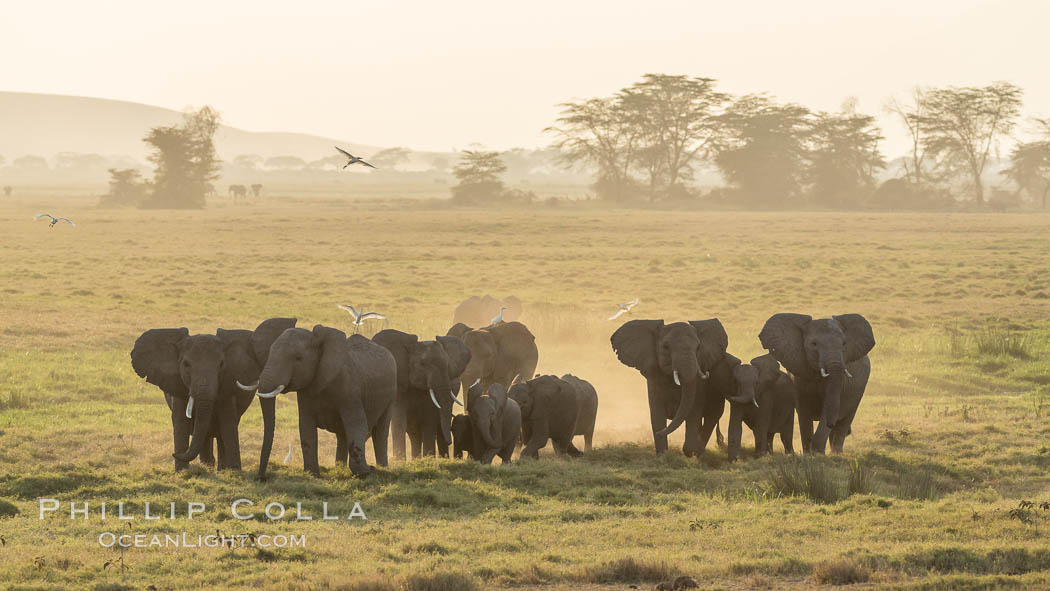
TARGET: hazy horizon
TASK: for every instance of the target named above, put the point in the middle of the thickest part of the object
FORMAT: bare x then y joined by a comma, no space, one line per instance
430,78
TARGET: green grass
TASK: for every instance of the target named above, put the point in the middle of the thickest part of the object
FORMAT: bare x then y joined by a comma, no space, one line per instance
952,433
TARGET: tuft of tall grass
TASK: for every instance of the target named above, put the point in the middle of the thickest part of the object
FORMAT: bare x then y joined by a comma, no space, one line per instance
997,342
919,486
841,571
861,479
804,476
629,570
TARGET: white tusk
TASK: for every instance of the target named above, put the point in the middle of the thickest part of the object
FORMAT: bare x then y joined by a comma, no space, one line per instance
756,403
271,394
454,399
189,408
248,388
824,373
848,374
677,381
476,382
704,375
434,398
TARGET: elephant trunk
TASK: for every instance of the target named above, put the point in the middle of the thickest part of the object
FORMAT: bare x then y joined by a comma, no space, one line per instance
485,426
202,414
744,395
685,406
835,380
269,414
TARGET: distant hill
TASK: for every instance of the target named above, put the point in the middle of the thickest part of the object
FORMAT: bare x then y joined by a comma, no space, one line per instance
47,124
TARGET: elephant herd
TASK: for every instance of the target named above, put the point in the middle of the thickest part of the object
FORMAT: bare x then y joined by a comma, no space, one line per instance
388,388
690,376
395,386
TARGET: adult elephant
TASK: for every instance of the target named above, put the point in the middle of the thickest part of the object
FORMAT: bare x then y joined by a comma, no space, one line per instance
345,385
494,424
764,400
587,397
198,375
498,354
479,311
676,360
549,411
427,382
828,360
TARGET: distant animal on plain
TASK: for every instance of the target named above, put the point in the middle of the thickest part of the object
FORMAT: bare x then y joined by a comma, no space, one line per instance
257,190
53,219
624,308
7,190
238,192
479,311
351,159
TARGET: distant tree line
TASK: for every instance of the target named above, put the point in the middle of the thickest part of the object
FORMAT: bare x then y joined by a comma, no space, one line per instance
646,142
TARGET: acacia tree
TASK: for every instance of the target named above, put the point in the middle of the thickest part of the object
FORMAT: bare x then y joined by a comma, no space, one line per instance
126,187
390,158
911,116
843,157
677,121
478,173
963,126
599,132
1030,165
762,149
185,161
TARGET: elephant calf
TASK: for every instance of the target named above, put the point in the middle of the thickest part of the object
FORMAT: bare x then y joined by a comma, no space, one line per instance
587,398
549,410
494,423
764,400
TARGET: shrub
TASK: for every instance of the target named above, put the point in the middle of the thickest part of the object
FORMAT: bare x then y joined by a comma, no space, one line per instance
841,571
7,509
803,477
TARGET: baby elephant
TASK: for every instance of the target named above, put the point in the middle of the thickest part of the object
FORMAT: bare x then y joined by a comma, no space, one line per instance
493,422
764,400
549,410
587,398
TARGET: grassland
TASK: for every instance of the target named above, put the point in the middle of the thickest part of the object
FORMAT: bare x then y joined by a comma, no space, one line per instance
953,433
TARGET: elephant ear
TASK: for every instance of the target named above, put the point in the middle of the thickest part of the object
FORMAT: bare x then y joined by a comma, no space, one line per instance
635,344
458,355
782,336
398,343
333,351
767,366
241,365
731,361
714,341
458,330
859,336
155,357
265,334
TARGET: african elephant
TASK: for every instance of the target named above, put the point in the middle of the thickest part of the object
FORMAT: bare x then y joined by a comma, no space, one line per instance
479,311
588,401
497,354
828,361
462,437
676,360
256,189
345,385
764,400
198,375
495,423
427,382
549,410
238,191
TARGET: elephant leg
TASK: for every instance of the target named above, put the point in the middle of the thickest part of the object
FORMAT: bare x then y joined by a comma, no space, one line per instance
763,434
229,443
839,433
355,422
430,435
208,451
379,439
805,432
308,437
415,439
341,452
507,452
658,416
180,427
487,457
398,430
538,439
587,440
819,442
787,436
706,429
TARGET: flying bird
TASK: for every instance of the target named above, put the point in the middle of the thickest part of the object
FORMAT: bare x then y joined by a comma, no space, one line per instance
624,308
351,159
53,219
499,317
360,317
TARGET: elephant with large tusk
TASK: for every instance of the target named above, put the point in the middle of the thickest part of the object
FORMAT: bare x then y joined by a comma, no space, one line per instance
428,375
200,377
343,385
828,361
676,360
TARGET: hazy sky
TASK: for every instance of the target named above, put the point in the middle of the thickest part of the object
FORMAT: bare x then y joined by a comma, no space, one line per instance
438,75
